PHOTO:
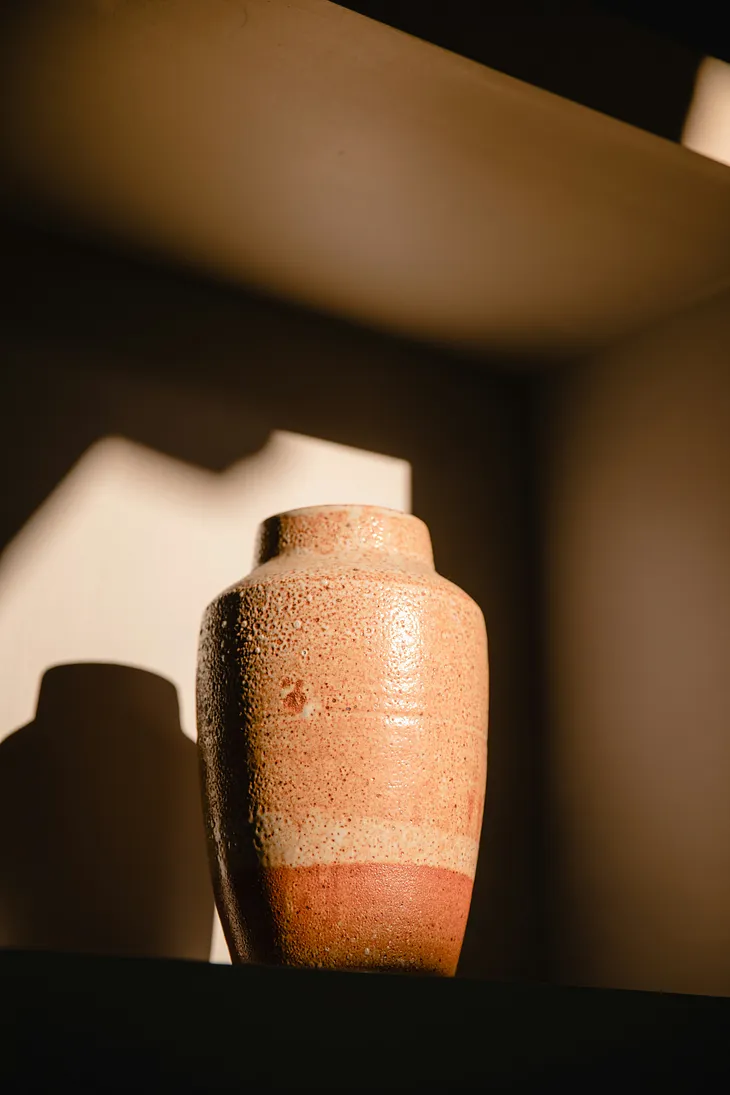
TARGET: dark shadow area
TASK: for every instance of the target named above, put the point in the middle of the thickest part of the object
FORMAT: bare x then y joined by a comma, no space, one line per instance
696,24
603,59
433,1036
102,845
95,344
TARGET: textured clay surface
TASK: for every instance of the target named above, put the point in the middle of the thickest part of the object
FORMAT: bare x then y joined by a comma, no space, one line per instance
342,726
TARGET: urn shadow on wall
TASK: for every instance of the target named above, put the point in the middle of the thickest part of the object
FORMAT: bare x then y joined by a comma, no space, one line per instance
101,841
342,705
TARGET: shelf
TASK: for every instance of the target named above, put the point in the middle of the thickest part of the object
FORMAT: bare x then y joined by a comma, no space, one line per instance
101,1024
578,49
314,153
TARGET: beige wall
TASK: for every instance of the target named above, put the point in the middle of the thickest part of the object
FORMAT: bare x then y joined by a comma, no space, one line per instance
216,401
636,452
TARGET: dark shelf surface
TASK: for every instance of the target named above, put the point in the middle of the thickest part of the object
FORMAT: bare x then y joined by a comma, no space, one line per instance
116,1024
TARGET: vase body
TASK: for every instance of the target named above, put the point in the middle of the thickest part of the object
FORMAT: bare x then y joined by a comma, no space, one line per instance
342,701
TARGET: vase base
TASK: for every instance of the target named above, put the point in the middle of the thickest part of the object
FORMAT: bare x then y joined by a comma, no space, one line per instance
384,918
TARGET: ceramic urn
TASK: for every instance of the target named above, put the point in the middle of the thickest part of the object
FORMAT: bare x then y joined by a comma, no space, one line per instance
342,700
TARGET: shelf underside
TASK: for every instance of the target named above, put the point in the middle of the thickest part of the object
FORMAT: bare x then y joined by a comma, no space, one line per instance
337,162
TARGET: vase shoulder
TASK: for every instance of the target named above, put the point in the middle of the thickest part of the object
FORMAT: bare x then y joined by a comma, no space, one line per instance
328,574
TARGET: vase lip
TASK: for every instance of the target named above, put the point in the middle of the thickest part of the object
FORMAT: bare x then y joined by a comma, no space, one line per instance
332,507
337,530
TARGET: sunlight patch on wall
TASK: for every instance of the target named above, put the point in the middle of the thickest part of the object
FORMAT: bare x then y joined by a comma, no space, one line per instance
707,128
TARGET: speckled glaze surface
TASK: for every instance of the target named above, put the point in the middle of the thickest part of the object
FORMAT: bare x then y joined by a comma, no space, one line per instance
342,726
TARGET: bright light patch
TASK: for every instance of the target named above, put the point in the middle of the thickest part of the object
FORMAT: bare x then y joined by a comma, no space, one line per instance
707,128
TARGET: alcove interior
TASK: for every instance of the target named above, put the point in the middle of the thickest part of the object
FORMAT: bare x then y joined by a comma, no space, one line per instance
569,450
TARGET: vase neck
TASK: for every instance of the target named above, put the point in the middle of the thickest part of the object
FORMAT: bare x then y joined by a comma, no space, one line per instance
367,532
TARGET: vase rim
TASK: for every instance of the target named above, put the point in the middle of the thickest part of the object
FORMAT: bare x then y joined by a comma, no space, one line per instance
332,530
312,511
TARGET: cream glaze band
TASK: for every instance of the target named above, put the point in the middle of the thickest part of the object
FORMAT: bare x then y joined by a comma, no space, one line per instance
323,840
